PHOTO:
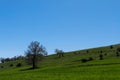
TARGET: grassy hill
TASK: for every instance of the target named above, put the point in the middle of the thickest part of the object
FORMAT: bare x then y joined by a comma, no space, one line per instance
69,67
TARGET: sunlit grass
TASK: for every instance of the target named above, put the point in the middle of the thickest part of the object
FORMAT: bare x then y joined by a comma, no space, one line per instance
69,67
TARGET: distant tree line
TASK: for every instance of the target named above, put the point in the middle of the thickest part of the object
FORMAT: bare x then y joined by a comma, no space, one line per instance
3,60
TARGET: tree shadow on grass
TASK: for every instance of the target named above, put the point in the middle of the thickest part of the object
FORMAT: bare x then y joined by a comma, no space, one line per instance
29,69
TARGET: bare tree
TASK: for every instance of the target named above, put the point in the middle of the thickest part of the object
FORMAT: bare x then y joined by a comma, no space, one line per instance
35,53
60,53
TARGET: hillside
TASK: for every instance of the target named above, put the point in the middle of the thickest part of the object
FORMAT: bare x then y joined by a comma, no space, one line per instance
75,65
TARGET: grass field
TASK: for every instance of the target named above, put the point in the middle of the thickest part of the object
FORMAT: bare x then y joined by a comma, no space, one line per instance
69,67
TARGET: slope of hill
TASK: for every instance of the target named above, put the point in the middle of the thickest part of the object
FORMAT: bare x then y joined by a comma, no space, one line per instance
75,65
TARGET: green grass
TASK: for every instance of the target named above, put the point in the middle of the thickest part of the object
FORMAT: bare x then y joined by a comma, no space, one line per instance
69,67
110,72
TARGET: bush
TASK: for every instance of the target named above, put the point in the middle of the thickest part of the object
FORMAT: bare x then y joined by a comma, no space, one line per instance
11,65
84,60
117,54
87,51
101,51
111,47
118,49
101,57
19,65
105,54
90,59
2,66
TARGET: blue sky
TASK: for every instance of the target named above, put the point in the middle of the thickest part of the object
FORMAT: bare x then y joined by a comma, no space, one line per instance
64,24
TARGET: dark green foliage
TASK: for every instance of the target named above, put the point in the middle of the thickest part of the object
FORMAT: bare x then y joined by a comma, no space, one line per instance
84,60
11,65
7,59
105,54
117,54
111,47
2,66
118,49
19,65
87,51
101,51
101,56
90,59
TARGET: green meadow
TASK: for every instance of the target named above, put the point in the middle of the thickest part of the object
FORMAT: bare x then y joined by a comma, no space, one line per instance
69,67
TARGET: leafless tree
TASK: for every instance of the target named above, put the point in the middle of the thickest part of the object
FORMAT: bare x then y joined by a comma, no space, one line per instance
60,53
35,53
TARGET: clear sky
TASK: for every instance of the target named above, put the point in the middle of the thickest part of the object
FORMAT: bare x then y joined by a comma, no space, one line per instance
64,24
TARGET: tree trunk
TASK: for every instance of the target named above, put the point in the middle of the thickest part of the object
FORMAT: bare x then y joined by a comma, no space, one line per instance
34,64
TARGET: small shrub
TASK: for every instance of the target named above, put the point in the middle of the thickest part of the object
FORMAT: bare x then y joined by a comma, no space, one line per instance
101,57
2,66
19,65
11,65
117,54
84,60
111,47
105,54
87,51
90,59
118,49
101,51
